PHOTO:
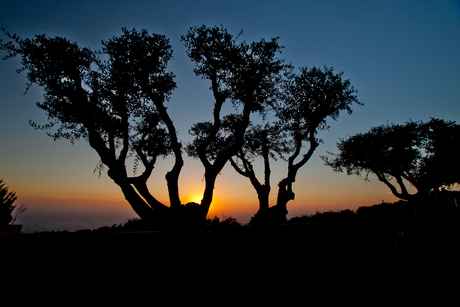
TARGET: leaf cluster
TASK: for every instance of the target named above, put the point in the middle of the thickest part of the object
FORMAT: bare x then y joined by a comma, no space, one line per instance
137,62
245,73
304,102
269,140
312,96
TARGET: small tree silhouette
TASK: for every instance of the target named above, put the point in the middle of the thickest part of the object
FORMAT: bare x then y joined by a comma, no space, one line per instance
7,199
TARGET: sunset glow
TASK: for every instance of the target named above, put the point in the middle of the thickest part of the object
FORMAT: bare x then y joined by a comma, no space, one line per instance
196,198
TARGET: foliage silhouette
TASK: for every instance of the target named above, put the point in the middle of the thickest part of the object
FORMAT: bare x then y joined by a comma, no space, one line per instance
117,104
114,99
304,103
247,74
419,153
7,199
216,223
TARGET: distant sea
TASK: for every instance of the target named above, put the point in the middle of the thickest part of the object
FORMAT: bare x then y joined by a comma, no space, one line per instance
70,221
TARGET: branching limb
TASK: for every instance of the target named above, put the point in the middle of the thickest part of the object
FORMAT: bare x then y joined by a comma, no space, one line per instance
237,168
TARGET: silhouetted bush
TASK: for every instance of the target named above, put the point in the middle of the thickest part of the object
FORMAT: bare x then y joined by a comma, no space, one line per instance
7,198
134,224
342,216
215,222
438,208
387,214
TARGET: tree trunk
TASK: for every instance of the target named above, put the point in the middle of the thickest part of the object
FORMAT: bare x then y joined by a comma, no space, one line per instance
263,193
285,195
269,216
210,179
172,179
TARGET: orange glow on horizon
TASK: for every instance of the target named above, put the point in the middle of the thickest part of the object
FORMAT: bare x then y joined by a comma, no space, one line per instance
232,196
222,205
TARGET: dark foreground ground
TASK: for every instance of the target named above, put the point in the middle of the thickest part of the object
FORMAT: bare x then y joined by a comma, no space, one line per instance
298,263
283,244
387,228
373,256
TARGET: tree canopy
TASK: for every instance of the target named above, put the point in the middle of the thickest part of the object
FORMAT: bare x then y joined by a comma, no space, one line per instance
419,153
113,98
304,103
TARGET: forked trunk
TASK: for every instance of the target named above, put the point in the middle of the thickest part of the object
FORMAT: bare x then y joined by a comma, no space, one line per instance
285,195
270,216
142,209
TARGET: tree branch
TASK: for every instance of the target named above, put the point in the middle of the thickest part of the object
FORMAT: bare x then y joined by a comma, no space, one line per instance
266,156
293,168
392,188
98,144
308,155
125,134
172,177
402,186
411,180
148,165
219,101
140,183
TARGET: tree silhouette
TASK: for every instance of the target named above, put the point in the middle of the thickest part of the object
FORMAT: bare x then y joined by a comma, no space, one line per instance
115,100
304,103
245,74
422,154
116,105
269,141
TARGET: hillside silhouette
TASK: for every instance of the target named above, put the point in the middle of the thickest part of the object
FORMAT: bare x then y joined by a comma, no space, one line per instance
386,226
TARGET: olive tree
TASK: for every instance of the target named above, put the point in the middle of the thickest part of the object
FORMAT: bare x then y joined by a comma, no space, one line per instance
305,101
421,154
115,99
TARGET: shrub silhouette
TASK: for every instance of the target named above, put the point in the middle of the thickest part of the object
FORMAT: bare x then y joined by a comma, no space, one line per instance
7,200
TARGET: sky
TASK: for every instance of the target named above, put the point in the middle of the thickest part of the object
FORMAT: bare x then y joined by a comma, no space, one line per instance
403,57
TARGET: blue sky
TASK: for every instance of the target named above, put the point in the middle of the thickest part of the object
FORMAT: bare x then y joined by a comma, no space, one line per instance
402,56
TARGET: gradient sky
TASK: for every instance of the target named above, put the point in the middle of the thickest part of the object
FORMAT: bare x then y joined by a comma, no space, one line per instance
402,56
